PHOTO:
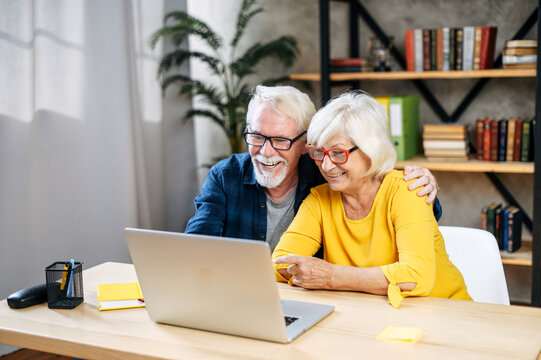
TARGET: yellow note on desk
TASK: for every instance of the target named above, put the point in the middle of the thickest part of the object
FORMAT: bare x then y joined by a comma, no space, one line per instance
405,334
120,296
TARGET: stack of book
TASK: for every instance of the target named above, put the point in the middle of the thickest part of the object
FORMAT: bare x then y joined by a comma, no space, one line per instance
444,49
346,65
505,223
504,139
520,54
447,142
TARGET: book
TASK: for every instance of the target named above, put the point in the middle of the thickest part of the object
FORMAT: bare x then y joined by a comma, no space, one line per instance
433,50
479,138
445,49
384,100
345,69
523,43
458,48
514,229
120,296
505,227
494,134
439,49
347,62
452,48
484,217
488,46
519,59
443,136
418,47
510,140
446,152
491,218
477,47
468,43
444,144
426,50
526,138
404,125
486,139
498,226
409,43
447,158
518,140
446,128
502,143
520,51
520,66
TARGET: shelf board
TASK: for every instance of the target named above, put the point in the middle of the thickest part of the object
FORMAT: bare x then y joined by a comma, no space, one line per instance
469,166
522,256
411,75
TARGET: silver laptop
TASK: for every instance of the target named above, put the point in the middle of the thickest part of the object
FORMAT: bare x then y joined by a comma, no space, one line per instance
218,284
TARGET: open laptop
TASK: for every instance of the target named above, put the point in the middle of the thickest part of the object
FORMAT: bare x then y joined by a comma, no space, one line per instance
218,284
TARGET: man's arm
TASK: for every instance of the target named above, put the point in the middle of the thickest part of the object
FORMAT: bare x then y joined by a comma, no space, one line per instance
427,183
210,205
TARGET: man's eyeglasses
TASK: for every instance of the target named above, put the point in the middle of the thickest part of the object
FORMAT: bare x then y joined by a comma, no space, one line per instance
337,156
279,143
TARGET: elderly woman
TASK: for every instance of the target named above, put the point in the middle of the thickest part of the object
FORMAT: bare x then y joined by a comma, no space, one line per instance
378,236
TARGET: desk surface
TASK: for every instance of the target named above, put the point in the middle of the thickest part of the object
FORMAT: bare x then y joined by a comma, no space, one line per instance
451,329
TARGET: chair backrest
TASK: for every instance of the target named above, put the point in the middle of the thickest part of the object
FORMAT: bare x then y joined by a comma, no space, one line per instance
475,253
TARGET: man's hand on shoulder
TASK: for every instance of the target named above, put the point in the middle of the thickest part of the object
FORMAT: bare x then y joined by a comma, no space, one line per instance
424,180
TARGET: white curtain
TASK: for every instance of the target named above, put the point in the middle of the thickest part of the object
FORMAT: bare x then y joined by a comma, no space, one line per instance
81,150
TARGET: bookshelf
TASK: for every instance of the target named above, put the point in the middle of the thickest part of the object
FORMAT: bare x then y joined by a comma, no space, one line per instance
530,254
409,75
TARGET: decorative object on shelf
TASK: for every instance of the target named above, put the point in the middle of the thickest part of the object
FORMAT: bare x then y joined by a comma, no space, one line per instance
380,58
444,49
228,98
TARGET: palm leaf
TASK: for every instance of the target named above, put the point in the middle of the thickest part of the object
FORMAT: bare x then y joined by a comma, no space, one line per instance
243,19
284,49
206,114
179,56
187,25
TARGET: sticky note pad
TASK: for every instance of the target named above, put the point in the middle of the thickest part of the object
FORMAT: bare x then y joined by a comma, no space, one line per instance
120,296
404,334
394,295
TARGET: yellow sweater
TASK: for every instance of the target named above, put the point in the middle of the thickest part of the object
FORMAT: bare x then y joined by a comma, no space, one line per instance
400,234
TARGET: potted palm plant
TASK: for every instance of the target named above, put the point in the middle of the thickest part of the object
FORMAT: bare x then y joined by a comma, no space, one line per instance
225,103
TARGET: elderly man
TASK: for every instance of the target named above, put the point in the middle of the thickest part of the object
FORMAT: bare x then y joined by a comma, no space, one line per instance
256,195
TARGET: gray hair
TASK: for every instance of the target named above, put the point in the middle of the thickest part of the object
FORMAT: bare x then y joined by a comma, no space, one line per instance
364,120
286,101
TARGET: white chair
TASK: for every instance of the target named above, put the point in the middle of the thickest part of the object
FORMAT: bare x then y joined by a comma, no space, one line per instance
475,253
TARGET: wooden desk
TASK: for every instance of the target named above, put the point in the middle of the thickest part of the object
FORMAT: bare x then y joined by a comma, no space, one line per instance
452,329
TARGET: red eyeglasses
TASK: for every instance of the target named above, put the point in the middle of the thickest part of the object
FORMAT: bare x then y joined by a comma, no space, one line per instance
337,156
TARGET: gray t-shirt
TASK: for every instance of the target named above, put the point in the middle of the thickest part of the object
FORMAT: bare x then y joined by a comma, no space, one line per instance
279,216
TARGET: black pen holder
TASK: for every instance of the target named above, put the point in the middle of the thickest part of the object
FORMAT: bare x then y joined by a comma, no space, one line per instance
64,285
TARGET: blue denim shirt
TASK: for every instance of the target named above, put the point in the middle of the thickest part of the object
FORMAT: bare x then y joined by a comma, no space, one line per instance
233,204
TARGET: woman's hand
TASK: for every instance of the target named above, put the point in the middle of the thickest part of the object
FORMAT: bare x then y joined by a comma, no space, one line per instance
307,272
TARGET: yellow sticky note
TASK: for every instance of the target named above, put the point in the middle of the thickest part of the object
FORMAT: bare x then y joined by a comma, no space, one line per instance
394,295
405,334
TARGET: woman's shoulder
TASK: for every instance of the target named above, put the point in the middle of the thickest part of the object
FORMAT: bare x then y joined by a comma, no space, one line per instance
395,179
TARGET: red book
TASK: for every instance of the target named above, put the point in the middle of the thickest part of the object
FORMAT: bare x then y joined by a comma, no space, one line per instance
518,140
479,138
410,49
346,62
494,134
486,139
488,45
439,49
426,50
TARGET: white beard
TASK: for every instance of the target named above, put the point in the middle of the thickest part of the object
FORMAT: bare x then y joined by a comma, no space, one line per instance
268,179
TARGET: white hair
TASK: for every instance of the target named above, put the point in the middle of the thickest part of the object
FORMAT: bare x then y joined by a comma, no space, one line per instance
364,120
284,100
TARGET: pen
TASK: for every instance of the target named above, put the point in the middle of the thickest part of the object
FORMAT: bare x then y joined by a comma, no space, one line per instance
70,285
64,275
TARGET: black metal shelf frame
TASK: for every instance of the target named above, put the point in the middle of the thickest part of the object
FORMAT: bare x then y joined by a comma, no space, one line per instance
357,10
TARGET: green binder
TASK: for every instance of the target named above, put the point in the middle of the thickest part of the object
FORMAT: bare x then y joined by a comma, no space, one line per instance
404,125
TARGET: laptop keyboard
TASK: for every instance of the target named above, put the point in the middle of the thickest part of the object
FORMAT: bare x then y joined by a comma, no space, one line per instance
290,319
